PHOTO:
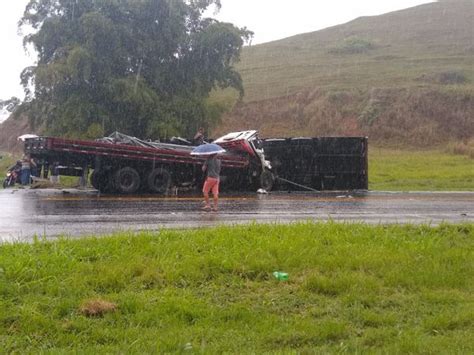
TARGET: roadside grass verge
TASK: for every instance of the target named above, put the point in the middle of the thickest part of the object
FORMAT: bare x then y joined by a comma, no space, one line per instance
352,288
420,170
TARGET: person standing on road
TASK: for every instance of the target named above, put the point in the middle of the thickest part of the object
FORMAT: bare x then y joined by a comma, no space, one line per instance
25,170
212,168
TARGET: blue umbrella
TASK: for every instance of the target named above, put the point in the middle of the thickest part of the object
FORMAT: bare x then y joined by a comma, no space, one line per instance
207,149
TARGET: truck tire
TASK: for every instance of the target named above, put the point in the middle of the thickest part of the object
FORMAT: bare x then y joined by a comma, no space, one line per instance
267,179
127,180
95,180
159,180
101,180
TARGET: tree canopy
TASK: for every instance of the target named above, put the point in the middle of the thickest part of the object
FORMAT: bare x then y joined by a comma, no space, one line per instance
143,67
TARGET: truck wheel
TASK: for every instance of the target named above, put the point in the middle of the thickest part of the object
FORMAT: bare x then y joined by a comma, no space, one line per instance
101,180
127,180
159,180
267,179
95,180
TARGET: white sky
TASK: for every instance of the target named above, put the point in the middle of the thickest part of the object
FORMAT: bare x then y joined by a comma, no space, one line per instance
268,19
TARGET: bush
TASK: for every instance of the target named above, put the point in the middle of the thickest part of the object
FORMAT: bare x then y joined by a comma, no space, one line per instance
462,148
446,78
452,77
353,45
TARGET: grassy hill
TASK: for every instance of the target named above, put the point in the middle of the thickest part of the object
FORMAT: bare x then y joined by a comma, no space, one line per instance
405,76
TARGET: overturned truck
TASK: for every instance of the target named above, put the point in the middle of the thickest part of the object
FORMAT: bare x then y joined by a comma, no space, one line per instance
124,164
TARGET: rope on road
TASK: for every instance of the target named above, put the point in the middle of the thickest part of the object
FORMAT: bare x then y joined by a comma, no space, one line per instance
294,183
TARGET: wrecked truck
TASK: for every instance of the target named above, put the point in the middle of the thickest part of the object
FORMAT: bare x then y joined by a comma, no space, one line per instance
127,165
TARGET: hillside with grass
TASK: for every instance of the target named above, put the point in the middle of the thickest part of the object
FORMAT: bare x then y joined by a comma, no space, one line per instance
403,77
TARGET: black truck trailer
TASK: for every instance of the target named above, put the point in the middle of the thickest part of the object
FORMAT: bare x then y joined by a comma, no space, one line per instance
322,163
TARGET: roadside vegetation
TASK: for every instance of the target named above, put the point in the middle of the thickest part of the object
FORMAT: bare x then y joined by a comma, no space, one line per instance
420,170
148,76
6,161
352,288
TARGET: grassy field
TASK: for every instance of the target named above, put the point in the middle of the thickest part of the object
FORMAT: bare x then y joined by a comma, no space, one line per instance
429,170
352,288
401,48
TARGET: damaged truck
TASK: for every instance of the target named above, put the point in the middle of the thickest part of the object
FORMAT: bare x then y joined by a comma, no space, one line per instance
128,165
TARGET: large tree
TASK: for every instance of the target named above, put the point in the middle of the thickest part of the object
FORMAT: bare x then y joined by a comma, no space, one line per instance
144,67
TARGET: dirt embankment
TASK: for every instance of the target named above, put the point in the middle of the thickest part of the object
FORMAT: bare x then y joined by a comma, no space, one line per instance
414,117
420,117
10,130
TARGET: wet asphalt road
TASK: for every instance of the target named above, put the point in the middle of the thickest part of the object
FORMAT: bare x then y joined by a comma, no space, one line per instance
51,213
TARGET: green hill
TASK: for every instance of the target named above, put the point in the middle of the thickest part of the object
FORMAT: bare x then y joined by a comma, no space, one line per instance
405,76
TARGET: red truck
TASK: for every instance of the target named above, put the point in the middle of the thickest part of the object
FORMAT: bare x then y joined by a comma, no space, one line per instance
124,164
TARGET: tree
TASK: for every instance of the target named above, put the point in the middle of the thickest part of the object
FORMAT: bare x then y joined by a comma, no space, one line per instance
144,67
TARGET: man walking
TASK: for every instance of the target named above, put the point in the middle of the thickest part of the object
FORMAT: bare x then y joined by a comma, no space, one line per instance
212,168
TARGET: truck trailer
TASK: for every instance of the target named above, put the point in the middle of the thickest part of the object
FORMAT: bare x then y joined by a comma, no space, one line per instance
127,165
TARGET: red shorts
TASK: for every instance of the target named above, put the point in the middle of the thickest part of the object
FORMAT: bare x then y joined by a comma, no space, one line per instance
211,184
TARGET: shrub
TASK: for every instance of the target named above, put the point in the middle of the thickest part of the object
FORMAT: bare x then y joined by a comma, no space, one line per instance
353,45
452,77
446,78
370,114
461,148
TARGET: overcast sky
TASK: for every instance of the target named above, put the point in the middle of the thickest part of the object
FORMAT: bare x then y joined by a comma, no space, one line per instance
268,19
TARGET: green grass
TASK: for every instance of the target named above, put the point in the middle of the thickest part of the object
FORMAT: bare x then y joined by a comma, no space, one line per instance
6,161
352,288
429,170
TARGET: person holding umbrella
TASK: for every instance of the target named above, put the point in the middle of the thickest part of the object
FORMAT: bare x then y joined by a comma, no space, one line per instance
212,169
